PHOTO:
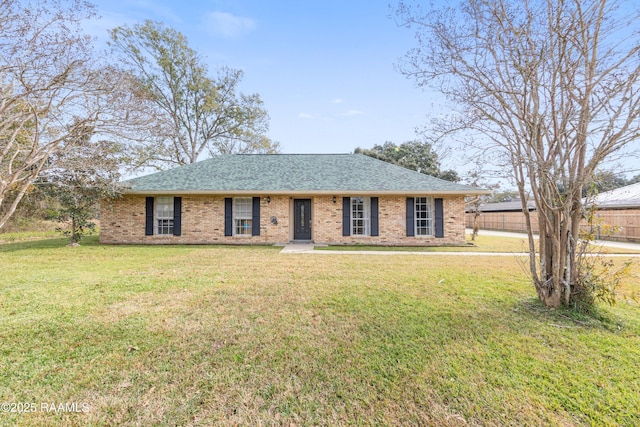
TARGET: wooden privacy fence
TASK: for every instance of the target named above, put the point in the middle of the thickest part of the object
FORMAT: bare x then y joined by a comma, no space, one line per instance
621,224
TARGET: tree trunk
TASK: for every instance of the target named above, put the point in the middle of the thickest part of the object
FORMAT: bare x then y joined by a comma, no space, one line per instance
476,217
14,205
74,232
550,286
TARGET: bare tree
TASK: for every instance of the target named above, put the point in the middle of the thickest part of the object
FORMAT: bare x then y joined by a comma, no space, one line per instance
554,85
478,178
194,114
51,95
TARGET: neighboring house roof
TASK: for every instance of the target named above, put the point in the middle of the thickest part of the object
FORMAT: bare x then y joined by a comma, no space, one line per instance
512,206
620,198
293,174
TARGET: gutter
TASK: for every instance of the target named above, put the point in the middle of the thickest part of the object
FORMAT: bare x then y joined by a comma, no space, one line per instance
307,192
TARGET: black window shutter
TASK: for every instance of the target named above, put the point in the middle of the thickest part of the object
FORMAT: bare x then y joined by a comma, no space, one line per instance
410,217
346,216
228,216
177,216
148,225
255,220
374,216
439,214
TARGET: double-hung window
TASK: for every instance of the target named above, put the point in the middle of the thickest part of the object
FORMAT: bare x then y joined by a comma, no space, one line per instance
164,215
360,216
242,216
424,216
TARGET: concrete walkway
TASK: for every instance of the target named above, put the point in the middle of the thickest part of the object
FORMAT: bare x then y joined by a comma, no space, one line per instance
605,243
308,248
427,254
297,248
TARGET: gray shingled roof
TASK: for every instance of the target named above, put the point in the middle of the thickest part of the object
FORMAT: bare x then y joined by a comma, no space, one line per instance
620,198
293,174
512,206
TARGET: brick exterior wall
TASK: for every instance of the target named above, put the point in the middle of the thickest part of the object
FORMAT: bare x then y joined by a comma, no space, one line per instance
123,222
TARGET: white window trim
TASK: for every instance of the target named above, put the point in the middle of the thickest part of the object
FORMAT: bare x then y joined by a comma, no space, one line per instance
366,211
243,215
163,215
430,230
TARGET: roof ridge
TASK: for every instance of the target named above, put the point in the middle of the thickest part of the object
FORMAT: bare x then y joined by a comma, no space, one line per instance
335,173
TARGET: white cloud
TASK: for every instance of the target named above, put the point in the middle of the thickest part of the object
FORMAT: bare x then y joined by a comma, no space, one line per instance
165,13
337,101
352,113
304,116
228,25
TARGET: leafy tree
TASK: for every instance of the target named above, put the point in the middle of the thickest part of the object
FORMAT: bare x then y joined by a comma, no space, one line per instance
82,176
504,196
51,91
188,112
414,155
553,86
607,180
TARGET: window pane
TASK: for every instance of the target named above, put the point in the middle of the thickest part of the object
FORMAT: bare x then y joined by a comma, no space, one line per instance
243,226
165,226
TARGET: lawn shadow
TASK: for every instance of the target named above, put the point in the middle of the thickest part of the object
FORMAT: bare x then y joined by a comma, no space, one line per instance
566,317
94,241
51,243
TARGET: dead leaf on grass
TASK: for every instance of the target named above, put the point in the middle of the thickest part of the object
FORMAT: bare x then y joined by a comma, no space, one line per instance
217,345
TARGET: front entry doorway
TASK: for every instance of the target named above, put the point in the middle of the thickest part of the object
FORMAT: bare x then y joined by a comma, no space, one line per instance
302,219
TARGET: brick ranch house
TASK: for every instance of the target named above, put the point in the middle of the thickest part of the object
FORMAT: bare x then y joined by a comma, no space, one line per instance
280,198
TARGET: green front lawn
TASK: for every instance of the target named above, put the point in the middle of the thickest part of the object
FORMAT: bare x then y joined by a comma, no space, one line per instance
205,335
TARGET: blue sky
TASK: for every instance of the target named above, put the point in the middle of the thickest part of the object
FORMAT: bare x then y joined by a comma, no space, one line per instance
324,69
